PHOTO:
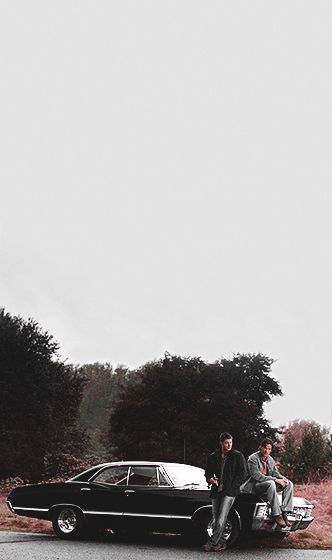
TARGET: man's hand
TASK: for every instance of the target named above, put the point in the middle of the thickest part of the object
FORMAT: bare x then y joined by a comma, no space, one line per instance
213,481
282,482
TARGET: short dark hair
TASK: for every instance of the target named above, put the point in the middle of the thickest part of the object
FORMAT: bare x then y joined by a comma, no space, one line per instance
225,435
266,441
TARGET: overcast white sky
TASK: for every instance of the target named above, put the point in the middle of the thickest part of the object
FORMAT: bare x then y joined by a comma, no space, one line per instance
166,181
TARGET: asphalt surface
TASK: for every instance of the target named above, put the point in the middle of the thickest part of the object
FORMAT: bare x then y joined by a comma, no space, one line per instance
35,546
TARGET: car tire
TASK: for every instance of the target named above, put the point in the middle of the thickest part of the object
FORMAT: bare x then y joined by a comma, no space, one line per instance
68,522
232,529
202,522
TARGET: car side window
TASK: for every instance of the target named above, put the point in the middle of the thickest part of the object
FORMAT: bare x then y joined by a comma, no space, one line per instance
113,475
143,476
163,481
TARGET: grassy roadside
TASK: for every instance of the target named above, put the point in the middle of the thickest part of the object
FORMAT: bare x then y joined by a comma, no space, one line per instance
11,522
318,535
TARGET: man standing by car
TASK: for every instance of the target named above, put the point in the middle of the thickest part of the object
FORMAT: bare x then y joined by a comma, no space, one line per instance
225,471
265,481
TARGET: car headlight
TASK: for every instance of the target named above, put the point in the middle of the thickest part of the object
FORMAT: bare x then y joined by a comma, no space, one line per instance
301,512
262,510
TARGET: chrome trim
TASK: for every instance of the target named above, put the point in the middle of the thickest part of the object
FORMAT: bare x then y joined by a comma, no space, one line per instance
76,481
159,465
164,472
233,510
29,509
107,466
67,520
103,467
118,513
130,514
258,523
128,475
75,506
73,479
266,522
209,506
10,507
142,485
299,520
306,508
169,477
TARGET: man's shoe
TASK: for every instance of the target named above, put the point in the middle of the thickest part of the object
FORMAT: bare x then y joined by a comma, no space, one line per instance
279,520
218,548
285,518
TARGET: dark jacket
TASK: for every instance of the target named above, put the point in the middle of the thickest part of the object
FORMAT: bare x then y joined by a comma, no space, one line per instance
235,472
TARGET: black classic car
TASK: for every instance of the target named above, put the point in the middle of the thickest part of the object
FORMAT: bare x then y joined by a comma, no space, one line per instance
149,496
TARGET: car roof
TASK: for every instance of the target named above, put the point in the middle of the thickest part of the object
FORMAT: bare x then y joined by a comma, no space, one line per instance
129,463
136,463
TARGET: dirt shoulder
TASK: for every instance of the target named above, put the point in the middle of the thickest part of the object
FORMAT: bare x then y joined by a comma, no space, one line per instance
11,522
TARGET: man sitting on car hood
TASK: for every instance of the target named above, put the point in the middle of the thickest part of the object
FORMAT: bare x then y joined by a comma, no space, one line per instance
265,481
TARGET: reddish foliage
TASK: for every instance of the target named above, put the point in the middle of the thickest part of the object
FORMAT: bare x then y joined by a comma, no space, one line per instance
319,534
11,522
65,466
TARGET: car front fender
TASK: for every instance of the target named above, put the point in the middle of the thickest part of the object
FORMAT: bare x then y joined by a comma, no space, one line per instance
207,511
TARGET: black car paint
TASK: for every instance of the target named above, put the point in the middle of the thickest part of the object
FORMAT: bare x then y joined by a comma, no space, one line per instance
105,505
155,508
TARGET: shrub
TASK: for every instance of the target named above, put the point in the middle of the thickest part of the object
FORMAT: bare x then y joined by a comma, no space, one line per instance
306,451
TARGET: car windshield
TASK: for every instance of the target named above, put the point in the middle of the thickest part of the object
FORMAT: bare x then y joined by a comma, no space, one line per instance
186,475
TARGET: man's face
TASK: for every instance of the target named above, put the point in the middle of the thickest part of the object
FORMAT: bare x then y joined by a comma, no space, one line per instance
266,449
226,445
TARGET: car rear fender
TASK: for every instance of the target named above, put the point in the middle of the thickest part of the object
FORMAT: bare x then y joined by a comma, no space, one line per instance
61,506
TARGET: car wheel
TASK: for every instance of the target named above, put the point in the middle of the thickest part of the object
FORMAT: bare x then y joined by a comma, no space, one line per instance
232,529
68,522
231,532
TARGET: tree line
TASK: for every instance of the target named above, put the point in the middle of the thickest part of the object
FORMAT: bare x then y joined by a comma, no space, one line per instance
54,414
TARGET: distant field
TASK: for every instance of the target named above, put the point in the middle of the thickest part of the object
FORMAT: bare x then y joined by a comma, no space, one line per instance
319,535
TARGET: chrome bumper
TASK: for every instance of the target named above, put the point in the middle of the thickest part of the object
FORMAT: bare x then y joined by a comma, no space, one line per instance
262,521
10,507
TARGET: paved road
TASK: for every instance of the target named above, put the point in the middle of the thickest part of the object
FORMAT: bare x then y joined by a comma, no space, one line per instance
35,546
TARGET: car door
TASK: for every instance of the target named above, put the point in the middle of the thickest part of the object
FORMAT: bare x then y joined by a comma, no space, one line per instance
105,493
149,496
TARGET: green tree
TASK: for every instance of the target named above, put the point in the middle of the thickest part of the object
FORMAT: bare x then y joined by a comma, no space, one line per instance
102,387
39,399
175,408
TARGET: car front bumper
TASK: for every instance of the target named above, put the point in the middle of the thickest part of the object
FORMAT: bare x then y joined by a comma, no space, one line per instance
262,520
